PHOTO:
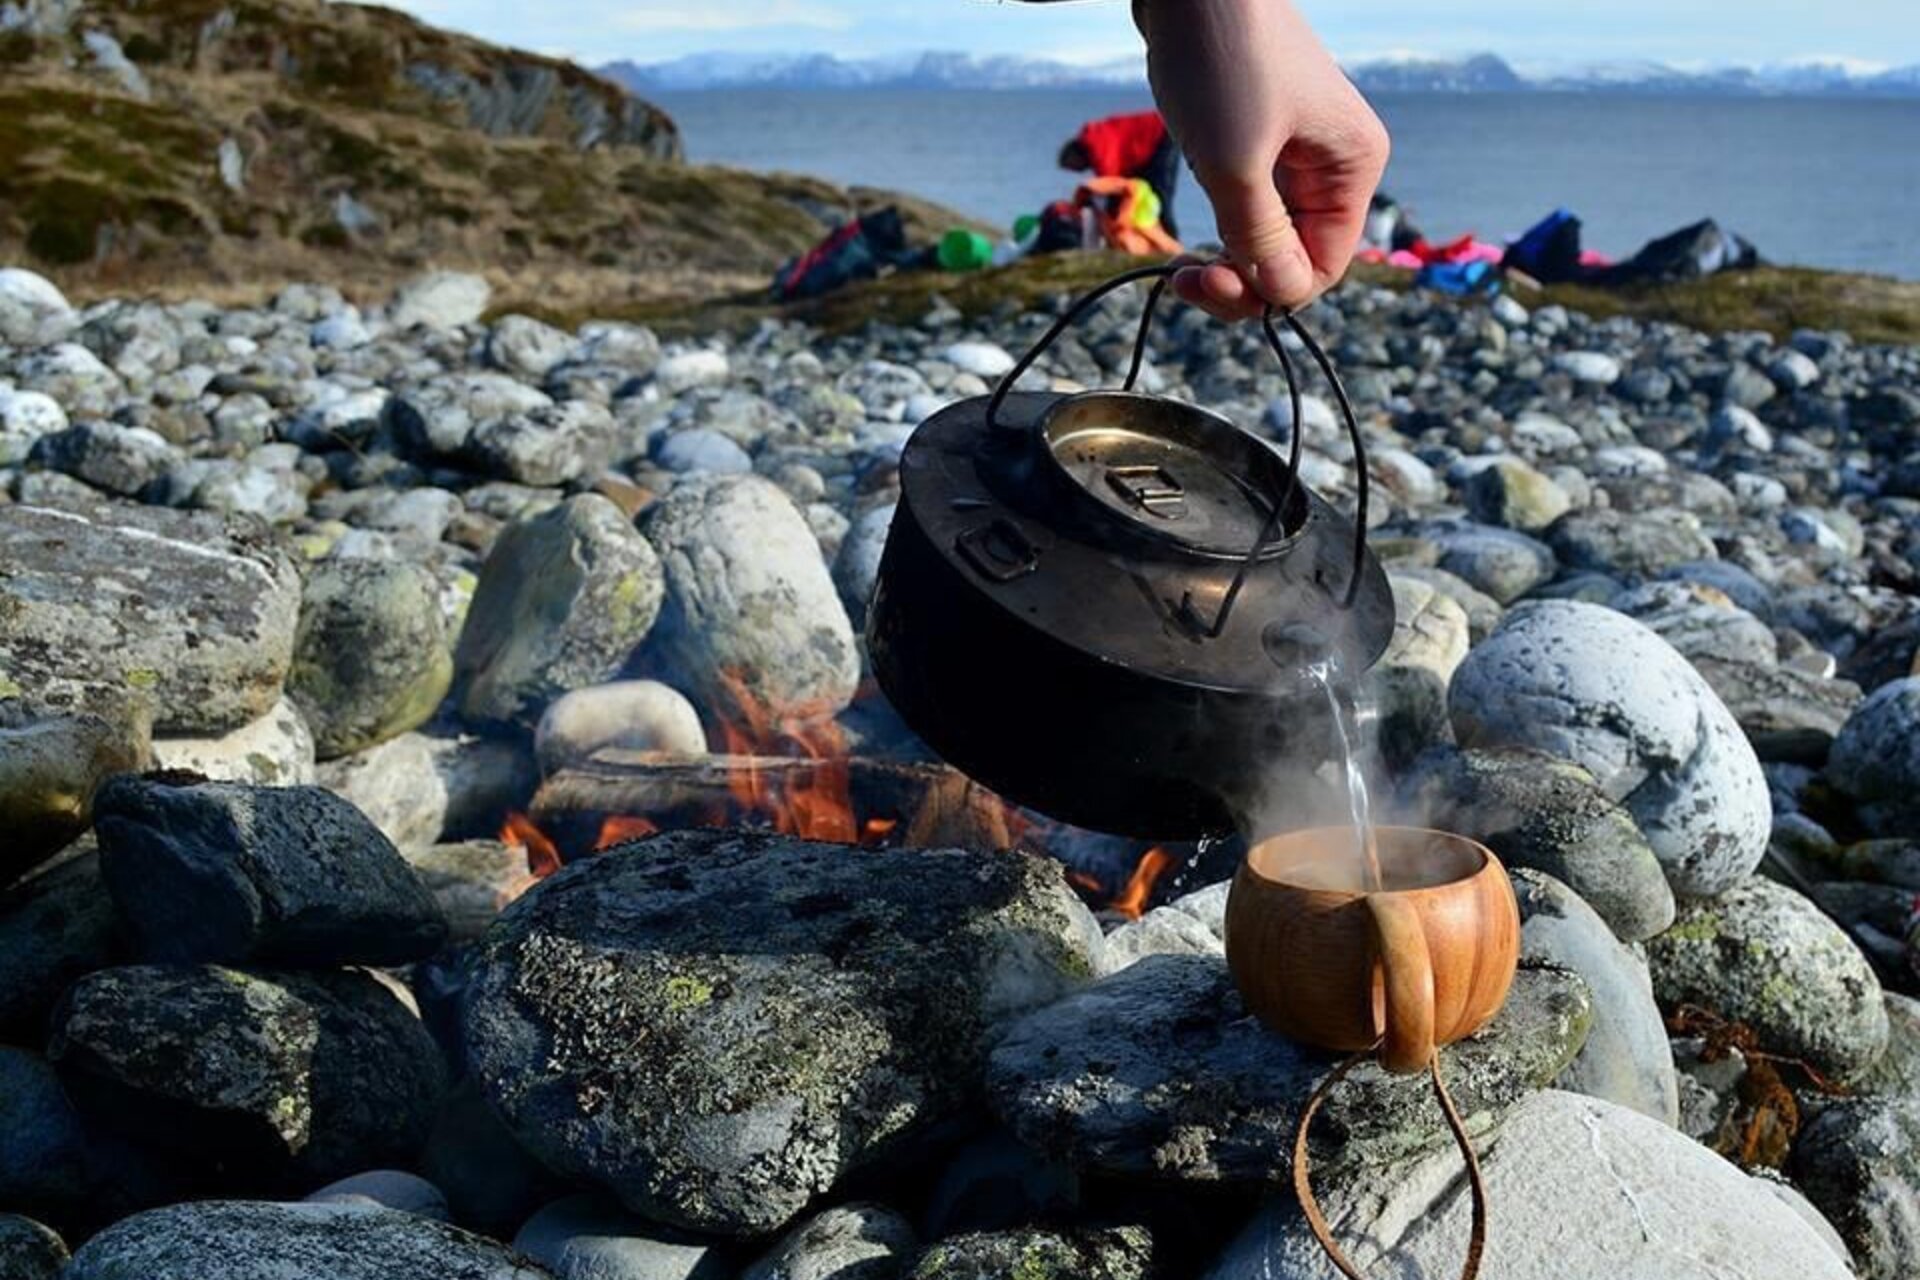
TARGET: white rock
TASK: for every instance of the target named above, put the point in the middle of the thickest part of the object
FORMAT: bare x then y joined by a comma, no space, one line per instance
1627,460
25,416
440,300
1509,312
690,369
637,715
341,331
1793,371
1595,367
1589,685
33,311
981,359
274,751
388,1189
1580,1189
590,1237
1543,435
1322,423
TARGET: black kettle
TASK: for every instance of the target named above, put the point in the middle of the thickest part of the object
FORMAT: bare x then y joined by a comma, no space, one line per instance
1105,606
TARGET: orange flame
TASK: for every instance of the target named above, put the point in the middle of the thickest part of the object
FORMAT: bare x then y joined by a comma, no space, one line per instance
815,805
620,828
519,831
1131,901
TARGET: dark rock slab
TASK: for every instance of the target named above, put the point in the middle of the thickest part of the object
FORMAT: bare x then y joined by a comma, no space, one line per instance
56,926
1860,1164
715,1026
226,872
282,1079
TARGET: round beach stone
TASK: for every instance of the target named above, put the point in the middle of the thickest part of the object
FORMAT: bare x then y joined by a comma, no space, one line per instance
1579,1188
386,1189
716,1026
1409,683
700,450
1156,1072
856,569
194,611
29,1250
1595,367
1876,758
1630,545
589,1237
1699,621
526,348
686,370
1539,812
1859,1163
752,627
250,1240
1040,1253
437,417
370,658
33,311
851,1242
225,872
1510,493
1626,1058
634,715
981,359
563,600
1594,687
1501,562
439,300
1762,955
549,445
251,1079
883,388
25,418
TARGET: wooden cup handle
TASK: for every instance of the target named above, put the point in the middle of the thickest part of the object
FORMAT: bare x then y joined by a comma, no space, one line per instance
1407,969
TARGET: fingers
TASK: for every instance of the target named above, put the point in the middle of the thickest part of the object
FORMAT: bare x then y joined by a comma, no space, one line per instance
1264,241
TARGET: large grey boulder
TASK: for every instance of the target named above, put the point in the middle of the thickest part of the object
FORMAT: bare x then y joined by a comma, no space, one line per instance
194,611
252,1079
1157,1072
527,348
752,625
436,419
1860,1163
251,1240
229,873
1626,1058
1592,686
1630,545
370,658
1550,815
1578,1188
562,602
716,1026
1762,955
549,445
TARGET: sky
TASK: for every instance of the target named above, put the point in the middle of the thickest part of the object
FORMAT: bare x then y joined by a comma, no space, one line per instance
1681,32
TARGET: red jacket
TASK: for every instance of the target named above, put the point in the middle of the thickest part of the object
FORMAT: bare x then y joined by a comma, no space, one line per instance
1120,146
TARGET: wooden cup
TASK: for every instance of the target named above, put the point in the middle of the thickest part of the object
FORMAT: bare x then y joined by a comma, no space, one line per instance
1421,963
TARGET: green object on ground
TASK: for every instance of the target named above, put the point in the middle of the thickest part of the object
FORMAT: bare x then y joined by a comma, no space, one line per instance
1025,225
963,250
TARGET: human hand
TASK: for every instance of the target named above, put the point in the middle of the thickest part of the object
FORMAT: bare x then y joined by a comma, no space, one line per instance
1287,149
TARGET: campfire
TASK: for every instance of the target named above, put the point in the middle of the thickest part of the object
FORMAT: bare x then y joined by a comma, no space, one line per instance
799,777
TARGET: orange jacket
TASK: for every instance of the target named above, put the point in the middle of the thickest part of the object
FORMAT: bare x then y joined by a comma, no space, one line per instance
1116,203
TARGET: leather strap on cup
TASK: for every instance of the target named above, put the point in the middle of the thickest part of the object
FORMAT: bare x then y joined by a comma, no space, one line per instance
1302,1179
1406,969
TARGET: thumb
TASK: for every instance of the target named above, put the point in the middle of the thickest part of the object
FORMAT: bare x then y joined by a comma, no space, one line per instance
1262,240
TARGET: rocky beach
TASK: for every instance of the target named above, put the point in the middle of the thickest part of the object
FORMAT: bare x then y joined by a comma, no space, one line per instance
305,604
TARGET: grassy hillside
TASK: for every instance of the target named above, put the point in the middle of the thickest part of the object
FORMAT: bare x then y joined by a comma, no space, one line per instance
224,146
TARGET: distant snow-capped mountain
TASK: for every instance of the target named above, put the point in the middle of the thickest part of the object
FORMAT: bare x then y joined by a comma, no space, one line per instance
1482,73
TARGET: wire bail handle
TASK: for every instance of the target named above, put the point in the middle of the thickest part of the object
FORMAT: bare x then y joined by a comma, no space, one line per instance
1276,520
